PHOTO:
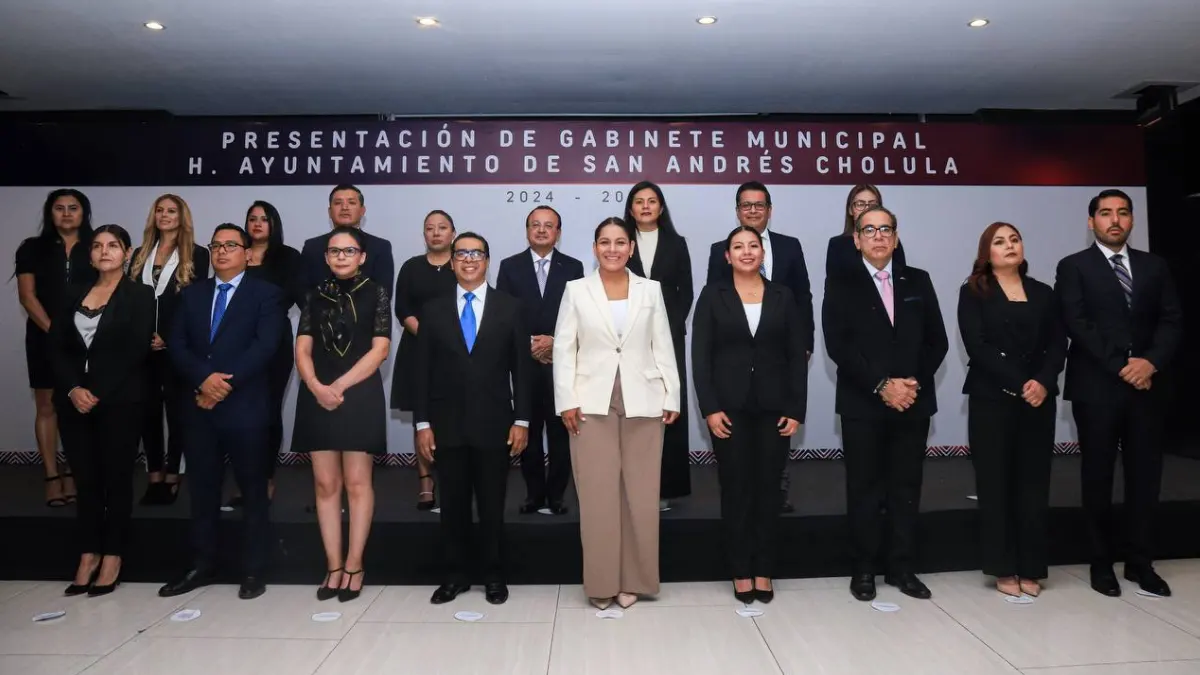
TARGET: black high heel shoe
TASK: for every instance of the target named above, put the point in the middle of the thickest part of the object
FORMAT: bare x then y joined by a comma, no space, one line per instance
744,597
429,504
327,592
345,594
80,589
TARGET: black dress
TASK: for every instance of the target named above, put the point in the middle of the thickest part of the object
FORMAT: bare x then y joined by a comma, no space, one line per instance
281,268
418,283
343,317
53,273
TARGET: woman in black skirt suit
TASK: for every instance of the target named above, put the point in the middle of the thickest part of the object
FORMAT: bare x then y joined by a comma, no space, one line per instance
341,415
662,255
46,266
422,278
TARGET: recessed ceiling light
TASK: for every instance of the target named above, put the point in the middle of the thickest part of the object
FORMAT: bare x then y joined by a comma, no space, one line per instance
154,25
706,20
978,23
427,21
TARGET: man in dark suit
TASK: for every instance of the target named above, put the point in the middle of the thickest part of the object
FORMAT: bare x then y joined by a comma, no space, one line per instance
783,263
537,277
347,208
1125,323
884,330
225,332
471,410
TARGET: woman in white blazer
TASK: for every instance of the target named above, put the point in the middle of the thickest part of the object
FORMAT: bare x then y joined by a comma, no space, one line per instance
616,385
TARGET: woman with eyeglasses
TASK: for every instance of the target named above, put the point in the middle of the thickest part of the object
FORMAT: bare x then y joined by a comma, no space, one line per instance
100,344
168,261
1013,330
661,254
841,257
341,414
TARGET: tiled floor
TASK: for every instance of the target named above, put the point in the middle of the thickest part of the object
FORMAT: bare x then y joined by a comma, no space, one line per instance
814,626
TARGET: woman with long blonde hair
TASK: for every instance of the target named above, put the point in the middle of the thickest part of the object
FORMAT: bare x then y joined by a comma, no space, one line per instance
167,261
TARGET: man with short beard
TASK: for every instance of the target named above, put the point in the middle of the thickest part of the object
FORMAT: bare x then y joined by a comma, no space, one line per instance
1125,324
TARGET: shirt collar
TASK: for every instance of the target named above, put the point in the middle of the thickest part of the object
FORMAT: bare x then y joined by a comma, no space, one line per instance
235,282
536,257
480,293
871,268
1109,253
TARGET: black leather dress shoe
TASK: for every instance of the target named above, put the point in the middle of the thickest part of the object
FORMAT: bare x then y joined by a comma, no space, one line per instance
447,592
195,578
1145,577
529,507
252,587
496,593
559,509
862,586
909,584
1105,582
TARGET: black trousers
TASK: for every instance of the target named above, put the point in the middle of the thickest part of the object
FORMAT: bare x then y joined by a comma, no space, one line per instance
165,394
278,375
1135,424
1012,444
101,448
465,474
676,478
885,462
545,485
207,447
749,463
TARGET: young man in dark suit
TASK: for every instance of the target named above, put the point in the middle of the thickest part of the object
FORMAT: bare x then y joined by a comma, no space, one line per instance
471,410
224,336
537,277
783,263
347,208
1125,323
884,330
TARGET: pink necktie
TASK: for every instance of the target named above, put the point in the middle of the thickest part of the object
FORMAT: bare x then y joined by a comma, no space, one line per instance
889,301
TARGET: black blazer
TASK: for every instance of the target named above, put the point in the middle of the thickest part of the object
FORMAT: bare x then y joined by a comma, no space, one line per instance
672,269
168,302
787,268
518,278
841,257
380,267
117,360
868,349
472,398
730,366
243,347
999,366
1105,332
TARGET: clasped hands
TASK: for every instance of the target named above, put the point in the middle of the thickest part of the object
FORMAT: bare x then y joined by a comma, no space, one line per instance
213,390
83,400
900,393
1137,373
541,347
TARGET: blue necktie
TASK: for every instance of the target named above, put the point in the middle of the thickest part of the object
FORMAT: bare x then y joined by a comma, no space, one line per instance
219,310
467,321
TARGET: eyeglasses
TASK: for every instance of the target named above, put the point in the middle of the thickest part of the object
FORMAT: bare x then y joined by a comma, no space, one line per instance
885,231
464,254
863,206
753,206
227,246
349,251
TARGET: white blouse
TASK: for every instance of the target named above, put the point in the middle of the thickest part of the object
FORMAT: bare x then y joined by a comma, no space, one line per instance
753,315
620,315
647,243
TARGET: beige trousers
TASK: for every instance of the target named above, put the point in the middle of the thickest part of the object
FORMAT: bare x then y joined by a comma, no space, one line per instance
616,461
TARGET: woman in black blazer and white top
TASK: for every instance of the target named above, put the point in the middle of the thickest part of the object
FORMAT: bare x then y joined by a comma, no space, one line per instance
1017,343
842,256
750,370
100,341
661,255
167,261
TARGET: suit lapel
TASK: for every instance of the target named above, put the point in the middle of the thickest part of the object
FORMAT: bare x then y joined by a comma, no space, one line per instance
484,323
733,305
595,289
109,316
871,291
529,273
232,307
637,289
1104,269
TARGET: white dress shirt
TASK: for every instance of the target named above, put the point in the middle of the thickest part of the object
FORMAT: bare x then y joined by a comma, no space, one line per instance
872,270
1109,253
647,243
478,303
768,257
236,281
620,315
536,258
753,315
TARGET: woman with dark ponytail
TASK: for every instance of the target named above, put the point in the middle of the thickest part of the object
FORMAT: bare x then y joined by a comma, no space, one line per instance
1015,338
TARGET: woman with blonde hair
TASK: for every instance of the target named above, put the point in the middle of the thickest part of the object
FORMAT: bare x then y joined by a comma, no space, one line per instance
168,261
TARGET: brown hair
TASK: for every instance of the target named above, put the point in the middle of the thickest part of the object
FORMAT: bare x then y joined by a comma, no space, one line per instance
981,271
849,229
186,270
